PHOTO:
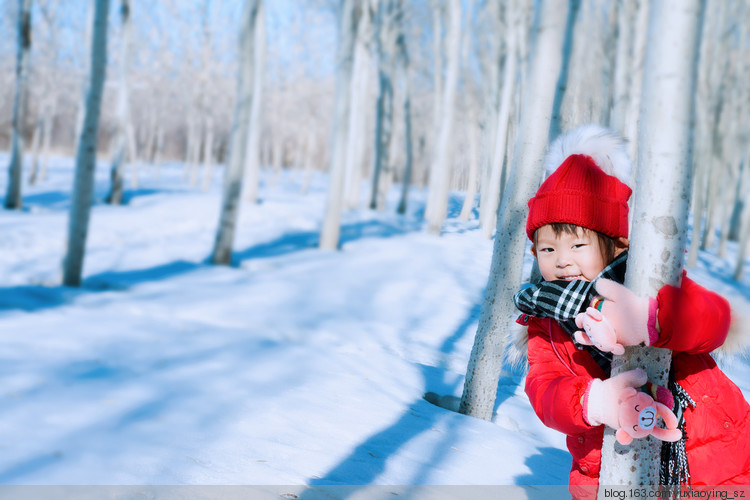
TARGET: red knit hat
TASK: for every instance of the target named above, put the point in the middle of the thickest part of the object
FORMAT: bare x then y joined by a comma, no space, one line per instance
580,191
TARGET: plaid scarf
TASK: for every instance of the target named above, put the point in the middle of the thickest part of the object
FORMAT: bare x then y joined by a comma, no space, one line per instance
564,300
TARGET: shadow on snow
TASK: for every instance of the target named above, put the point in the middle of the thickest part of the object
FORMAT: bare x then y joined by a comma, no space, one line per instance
368,460
32,298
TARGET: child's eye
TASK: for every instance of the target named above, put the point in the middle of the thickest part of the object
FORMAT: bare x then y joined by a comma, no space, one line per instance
546,250
579,245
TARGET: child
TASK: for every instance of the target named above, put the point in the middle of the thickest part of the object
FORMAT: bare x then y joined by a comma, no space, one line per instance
578,224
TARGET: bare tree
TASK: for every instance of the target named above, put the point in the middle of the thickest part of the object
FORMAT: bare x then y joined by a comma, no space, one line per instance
498,310
388,21
491,200
123,109
660,206
562,80
222,251
83,187
252,159
350,13
13,198
440,172
360,110
402,69
48,89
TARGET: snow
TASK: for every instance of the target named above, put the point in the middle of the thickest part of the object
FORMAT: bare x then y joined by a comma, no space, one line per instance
295,366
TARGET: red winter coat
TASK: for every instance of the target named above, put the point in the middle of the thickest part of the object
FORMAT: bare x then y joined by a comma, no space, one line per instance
693,321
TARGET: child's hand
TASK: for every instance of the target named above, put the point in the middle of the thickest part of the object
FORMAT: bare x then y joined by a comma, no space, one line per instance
633,318
597,332
617,403
602,400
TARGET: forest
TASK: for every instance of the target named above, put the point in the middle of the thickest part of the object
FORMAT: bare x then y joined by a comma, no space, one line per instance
368,162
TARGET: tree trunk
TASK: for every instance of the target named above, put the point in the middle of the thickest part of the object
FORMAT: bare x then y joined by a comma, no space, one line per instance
359,115
13,198
498,310
488,213
562,81
622,73
252,161
81,109
402,64
35,146
49,122
735,222
744,238
208,154
636,75
350,13
83,187
660,207
471,188
440,172
385,38
222,251
123,111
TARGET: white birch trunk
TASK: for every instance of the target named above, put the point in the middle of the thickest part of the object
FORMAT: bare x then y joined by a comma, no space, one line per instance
13,198
622,77
35,146
491,60
208,155
660,207
440,171
735,223
402,64
83,187
386,38
252,161
498,310
437,54
562,81
49,121
132,154
123,110
491,203
308,168
230,207
330,232
744,238
700,179
81,110
471,188
358,111
636,75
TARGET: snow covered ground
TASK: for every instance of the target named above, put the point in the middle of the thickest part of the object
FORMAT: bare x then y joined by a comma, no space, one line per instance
294,367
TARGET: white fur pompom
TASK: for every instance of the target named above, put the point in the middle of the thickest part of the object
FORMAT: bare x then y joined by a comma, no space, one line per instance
605,146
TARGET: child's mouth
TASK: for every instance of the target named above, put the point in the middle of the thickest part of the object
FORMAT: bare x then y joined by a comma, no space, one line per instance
571,278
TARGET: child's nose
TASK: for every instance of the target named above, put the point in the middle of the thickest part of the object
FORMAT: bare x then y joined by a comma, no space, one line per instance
562,260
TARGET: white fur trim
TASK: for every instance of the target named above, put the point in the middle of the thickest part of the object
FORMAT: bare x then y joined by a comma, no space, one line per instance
517,347
737,342
605,146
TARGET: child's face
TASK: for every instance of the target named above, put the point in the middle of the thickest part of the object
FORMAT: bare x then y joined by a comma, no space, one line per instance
568,256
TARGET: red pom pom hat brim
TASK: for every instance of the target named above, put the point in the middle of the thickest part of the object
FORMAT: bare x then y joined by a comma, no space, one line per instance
579,192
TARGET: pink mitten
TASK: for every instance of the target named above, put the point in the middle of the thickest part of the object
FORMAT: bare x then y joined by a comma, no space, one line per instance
633,318
637,418
598,332
601,403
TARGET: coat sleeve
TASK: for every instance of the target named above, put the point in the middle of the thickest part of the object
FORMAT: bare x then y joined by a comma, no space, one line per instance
692,319
555,392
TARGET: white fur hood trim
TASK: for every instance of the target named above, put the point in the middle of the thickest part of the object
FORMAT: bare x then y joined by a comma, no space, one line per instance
605,146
